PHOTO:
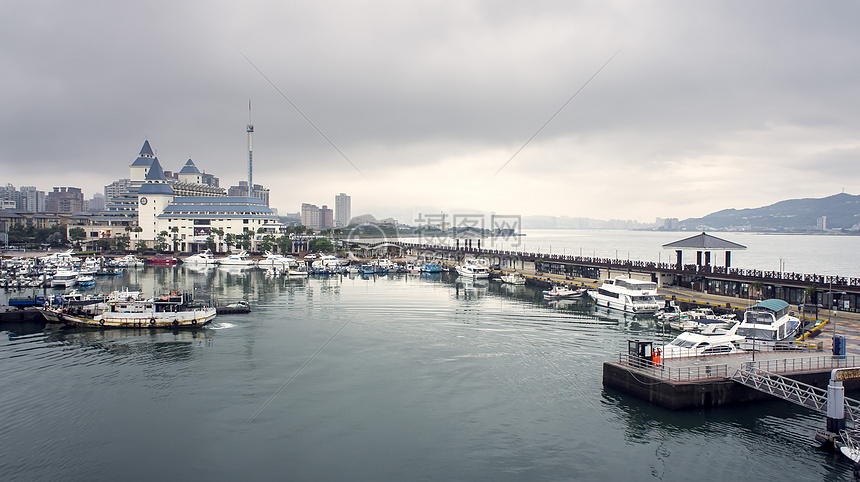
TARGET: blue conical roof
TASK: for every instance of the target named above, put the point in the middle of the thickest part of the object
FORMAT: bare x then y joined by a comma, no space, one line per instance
145,158
156,181
155,172
146,150
189,168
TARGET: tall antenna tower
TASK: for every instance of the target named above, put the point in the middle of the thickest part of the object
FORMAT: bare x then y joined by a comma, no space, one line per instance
250,130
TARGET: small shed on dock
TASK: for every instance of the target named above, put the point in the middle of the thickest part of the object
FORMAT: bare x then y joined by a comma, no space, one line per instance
704,244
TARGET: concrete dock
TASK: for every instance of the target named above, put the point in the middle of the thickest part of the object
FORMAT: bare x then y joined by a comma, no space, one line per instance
700,382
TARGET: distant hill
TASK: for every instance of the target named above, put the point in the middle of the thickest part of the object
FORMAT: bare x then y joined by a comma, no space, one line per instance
842,211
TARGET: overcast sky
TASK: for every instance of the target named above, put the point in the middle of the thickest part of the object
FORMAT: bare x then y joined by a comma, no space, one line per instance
704,106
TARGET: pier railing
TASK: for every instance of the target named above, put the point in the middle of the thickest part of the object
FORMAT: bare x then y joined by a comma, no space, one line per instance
672,373
800,364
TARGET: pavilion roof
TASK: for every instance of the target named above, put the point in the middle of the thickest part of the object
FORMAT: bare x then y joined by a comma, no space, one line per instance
705,241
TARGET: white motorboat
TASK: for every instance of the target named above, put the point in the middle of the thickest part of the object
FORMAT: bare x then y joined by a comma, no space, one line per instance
203,257
237,259
474,269
627,294
767,324
558,292
86,280
514,279
64,278
128,261
712,341
274,260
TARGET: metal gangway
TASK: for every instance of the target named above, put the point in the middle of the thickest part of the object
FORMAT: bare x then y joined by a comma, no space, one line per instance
793,391
811,397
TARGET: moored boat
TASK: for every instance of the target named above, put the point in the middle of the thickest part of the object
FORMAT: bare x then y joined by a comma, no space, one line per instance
627,294
769,324
64,279
558,291
475,269
127,310
514,279
236,259
713,341
203,257
162,261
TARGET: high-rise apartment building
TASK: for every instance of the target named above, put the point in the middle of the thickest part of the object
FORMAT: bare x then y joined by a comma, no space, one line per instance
326,217
342,210
65,200
117,188
310,216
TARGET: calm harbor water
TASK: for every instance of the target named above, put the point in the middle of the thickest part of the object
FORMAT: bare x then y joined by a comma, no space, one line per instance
399,377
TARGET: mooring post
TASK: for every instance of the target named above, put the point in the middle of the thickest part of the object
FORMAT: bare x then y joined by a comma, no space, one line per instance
835,403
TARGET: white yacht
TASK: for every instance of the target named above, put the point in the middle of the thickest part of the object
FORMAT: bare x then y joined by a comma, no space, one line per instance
128,261
767,324
627,294
514,279
64,278
274,260
203,257
475,269
712,341
237,259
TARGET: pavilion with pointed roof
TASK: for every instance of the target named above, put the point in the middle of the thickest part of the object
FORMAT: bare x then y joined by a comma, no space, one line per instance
704,244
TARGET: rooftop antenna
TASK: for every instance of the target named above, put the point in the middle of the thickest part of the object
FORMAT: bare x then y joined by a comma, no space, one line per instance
250,130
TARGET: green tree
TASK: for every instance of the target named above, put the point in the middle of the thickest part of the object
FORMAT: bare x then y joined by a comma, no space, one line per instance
161,241
320,245
244,240
268,242
284,243
76,235
121,242
230,240
174,230
217,232
103,244
140,246
210,243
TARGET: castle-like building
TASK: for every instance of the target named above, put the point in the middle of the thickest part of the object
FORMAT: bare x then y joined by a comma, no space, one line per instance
183,211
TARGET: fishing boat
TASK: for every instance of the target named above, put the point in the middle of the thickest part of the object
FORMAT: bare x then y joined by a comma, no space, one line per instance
769,324
627,294
558,291
127,310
